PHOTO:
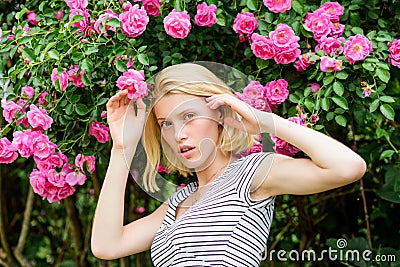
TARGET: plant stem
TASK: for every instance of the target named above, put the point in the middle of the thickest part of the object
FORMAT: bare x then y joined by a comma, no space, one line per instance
25,230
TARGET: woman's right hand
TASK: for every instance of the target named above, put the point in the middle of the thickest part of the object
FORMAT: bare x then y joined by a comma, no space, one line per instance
126,124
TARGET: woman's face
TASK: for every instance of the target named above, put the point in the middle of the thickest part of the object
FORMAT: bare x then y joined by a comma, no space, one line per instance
189,128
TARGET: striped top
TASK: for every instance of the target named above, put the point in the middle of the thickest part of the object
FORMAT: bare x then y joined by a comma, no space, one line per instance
224,228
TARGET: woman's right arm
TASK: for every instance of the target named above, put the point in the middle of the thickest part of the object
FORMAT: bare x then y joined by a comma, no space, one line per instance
110,238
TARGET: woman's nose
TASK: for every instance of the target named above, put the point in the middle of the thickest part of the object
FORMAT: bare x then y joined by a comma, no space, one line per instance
181,132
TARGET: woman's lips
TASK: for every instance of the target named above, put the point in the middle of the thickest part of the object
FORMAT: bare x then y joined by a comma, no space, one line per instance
187,152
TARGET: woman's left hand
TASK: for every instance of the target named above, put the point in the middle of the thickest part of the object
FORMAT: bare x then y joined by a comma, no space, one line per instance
252,120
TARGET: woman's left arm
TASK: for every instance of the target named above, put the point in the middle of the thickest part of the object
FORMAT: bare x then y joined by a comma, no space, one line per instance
331,163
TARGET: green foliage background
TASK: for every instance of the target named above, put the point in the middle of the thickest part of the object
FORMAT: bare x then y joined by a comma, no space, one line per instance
36,233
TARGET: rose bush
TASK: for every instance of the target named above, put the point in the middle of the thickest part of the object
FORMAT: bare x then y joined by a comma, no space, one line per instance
327,65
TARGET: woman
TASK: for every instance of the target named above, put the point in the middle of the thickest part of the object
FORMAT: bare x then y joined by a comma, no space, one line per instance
196,123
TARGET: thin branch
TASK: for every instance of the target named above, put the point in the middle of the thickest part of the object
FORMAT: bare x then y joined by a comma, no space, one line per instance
366,215
18,251
3,235
75,227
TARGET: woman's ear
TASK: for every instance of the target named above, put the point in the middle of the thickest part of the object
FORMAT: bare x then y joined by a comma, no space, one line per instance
221,115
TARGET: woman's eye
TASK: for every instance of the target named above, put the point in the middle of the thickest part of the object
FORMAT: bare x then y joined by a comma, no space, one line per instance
165,124
189,116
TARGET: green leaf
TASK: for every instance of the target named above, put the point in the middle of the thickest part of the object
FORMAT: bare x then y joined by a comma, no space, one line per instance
383,74
87,65
387,111
81,109
357,30
298,7
143,59
330,116
252,4
325,103
269,17
387,99
54,54
374,105
338,88
340,101
341,75
368,66
121,65
386,154
328,79
341,120
19,14
261,63
25,39
85,79
114,22
29,54
77,56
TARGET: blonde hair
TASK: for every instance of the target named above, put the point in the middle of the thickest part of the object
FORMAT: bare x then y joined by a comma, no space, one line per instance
192,79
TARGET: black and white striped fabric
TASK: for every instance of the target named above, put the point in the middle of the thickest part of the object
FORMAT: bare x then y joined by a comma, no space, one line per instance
225,228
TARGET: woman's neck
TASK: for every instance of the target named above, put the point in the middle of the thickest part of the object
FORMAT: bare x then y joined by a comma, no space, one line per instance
214,169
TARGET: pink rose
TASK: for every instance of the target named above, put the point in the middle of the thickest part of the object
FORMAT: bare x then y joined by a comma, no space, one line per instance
283,147
28,91
109,14
315,87
330,63
59,14
140,210
62,78
100,131
75,76
262,46
55,160
331,45
277,91
206,15
254,95
152,7
179,187
74,178
42,147
9,109
90,162
278,6
162,169
8,152
77,4
31,16
283,37
245,23
319,23
177,24
63,193
394,49
256,148
287,55
38,118
334,9
357,48
337,29
304,62
367,92
134,21
54,178
42,99
23,142
38,181
133,81
83,23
